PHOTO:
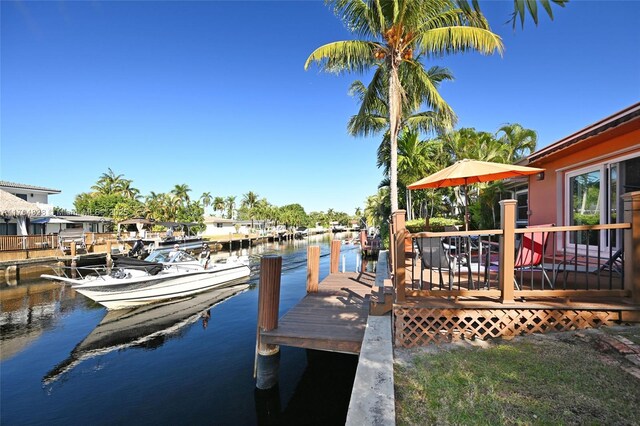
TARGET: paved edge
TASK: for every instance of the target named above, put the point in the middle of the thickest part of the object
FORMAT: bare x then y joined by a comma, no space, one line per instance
372,398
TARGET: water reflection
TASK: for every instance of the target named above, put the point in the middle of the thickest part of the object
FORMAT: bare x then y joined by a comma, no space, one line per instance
146,326
26,311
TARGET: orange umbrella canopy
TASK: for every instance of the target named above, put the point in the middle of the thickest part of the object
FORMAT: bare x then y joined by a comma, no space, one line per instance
465,172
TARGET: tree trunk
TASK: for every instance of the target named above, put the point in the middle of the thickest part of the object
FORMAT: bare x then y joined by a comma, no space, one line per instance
395,110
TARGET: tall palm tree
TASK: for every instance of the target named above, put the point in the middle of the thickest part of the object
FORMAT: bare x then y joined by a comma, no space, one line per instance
206,198
181,192
398,31
128,191
518,141
218,204
108,183
230,205
249,201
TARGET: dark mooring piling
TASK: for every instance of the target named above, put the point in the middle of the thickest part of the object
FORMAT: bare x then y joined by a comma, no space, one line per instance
267,363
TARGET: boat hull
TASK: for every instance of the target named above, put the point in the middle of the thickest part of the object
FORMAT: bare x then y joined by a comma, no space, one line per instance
161,287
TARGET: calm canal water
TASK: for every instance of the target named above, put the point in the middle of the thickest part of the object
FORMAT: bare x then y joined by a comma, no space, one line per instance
66,360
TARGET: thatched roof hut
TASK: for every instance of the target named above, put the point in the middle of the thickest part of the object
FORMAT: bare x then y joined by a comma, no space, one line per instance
12,206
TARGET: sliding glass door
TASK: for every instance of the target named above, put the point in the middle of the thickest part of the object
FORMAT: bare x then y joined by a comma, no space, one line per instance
593,196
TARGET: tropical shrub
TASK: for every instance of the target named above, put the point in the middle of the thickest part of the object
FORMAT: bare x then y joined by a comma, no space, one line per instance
436,224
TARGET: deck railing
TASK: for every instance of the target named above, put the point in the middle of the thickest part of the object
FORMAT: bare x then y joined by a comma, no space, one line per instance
510,263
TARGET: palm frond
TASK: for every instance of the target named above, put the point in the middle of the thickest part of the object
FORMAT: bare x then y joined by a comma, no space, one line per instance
344,56
358,16
460,39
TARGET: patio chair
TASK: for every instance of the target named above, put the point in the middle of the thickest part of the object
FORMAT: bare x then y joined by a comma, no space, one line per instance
434,256
531,254
613,265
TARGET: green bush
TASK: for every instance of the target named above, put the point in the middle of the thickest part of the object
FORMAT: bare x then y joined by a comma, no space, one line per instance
586,219
437,224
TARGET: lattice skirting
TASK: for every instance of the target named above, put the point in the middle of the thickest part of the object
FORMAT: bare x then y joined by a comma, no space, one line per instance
421,326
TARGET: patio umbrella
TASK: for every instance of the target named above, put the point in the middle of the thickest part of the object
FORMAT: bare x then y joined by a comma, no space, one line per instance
465,172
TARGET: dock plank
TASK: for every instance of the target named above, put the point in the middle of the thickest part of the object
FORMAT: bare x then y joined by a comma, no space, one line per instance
334,319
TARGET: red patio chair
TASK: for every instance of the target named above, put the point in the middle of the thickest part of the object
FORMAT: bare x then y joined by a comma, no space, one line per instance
530,254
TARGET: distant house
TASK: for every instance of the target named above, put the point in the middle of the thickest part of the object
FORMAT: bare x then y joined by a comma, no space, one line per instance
585,176
25,210
218,226
20,203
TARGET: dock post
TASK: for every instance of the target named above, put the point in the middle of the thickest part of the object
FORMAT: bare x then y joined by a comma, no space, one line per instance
267,355
313,268
73,248
335,255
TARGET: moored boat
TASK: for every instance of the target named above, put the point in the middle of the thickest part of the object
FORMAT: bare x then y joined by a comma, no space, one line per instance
132,282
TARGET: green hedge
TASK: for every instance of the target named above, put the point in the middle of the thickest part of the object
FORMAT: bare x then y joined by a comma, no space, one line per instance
586,219
437,224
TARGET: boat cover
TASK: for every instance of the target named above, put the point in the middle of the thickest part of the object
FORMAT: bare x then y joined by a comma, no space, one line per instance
152,268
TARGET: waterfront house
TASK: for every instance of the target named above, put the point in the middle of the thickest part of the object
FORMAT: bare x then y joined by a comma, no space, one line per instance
586,175
20,203
219,226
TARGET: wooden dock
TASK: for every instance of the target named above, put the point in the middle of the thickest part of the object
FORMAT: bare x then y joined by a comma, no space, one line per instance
333,319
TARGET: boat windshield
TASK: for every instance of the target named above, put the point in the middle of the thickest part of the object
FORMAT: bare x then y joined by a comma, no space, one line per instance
170,257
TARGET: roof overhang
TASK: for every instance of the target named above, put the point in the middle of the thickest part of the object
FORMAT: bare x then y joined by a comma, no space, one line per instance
617,124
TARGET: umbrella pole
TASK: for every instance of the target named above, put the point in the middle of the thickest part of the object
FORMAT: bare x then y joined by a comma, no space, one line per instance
466,208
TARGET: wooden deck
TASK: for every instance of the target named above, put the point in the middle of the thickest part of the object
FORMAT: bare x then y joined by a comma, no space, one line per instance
333,319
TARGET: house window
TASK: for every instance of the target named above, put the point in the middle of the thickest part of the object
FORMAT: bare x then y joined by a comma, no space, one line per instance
22,196
218,225
522,208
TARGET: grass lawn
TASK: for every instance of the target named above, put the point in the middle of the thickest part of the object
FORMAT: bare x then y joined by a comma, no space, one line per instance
561,378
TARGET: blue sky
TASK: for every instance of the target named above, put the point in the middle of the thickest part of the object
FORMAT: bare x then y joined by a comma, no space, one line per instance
214,94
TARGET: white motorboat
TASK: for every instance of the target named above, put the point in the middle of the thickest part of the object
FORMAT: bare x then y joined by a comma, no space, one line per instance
132,282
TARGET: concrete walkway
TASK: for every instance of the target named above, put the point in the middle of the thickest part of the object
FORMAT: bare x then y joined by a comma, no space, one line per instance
372,398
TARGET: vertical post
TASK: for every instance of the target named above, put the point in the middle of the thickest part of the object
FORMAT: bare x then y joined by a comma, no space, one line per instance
109,260
73,248
507,249
631,248
399,267
335,256
268,355
313,268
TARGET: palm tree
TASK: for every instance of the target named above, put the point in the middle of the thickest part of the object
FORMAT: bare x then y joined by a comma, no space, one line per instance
218,204
206,199
230,205
249,201
128,191
108,183
398,31
181,192
518,141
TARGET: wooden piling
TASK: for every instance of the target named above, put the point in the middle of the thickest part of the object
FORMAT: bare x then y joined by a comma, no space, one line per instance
267,355
507,248
313,268
335,256
73,248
